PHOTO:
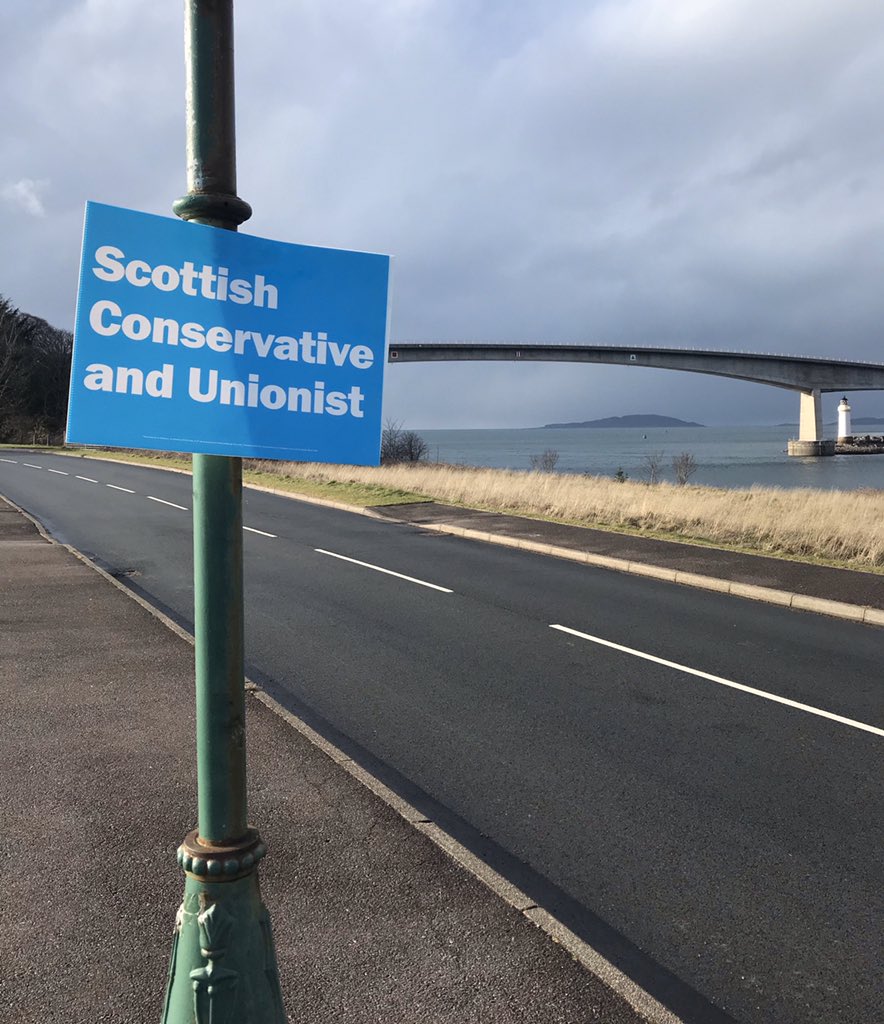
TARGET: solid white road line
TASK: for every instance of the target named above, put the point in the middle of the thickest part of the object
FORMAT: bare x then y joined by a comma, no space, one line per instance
163,501
114,486
12,462
31,465
252,529
88,479
59,472
723,682
389,572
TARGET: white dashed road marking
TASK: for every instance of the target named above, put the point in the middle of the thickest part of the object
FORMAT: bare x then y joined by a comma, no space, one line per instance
389,572
252,529
88,479
723,682
31,465
171,504
116,488
59,472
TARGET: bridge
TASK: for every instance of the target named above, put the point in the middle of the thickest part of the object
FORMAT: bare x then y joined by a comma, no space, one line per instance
809,376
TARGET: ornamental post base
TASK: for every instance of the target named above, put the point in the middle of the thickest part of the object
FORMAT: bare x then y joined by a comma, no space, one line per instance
223,968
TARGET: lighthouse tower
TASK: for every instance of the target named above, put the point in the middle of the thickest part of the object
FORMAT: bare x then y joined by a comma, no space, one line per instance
844,431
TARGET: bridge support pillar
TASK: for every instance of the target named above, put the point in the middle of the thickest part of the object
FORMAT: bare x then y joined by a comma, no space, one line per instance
810,427
810,423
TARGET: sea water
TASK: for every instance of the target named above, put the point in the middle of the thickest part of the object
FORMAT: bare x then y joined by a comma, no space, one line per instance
725,456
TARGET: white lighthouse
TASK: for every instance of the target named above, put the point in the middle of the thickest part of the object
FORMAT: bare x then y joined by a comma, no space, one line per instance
844,431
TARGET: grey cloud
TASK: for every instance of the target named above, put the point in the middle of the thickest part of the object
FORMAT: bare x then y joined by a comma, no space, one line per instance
636,171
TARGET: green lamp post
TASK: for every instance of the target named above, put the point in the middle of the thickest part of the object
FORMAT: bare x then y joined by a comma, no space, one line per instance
223,968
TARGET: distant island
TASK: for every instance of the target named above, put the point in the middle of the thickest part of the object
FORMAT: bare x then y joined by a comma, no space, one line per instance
646,420
868,419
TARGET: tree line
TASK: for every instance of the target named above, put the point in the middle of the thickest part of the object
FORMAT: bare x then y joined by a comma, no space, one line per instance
35,370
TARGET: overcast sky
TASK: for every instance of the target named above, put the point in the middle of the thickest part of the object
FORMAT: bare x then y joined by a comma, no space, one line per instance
679,172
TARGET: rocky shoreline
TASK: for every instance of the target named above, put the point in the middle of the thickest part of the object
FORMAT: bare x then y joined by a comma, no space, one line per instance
866,444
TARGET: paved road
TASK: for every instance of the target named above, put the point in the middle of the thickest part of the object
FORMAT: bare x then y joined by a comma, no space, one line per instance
722,845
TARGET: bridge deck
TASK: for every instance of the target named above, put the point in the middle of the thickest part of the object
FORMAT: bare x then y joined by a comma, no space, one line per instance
798,373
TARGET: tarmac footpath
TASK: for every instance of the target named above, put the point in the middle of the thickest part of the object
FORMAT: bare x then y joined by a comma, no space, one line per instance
373,921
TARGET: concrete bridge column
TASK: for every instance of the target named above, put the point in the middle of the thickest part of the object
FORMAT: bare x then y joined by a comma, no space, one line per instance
810,427
810,422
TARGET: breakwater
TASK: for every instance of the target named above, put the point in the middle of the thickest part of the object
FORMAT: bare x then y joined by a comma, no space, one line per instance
866,444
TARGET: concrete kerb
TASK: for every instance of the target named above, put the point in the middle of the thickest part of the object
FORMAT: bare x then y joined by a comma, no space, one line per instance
805,602
873,616
592,960
695,579
657,572
770,595
751,592
600,967
756,593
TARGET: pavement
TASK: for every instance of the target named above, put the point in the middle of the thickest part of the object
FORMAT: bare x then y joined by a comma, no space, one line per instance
797,584
373,921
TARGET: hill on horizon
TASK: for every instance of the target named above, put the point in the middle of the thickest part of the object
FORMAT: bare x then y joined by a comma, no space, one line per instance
642,420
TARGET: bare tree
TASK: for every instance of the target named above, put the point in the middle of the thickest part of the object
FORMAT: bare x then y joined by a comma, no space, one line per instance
684,466
35,366
414,447
50,374
13,334
390,440
652,467
545,462
398,445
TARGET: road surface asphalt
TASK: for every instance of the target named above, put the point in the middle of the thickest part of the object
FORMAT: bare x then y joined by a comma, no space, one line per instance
582,730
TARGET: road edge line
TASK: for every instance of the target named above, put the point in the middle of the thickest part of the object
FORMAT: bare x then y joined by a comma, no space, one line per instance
586,955
342,506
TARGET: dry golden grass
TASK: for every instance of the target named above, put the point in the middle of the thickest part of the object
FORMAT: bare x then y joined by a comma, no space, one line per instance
840,527
845,527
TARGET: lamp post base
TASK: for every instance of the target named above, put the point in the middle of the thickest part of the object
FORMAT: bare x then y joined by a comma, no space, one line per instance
223,968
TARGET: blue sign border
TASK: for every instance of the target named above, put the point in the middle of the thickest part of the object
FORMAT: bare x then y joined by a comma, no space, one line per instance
192,338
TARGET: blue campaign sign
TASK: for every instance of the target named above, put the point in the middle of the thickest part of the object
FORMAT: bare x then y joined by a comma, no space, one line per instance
195,339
